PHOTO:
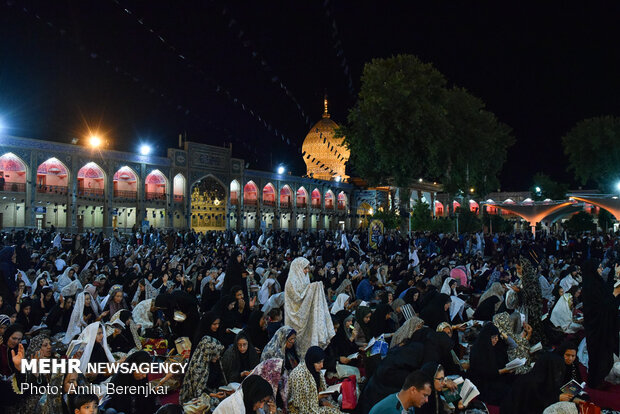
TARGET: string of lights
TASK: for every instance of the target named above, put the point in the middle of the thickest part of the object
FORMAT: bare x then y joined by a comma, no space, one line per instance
235,29
338,45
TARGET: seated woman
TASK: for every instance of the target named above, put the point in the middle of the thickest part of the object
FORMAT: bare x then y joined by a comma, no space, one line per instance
97,350
83,314
131,402
343,344
117,340
533,392
204,373
239,359
24,317
562,315
11,339
114,302
256,330
437,310
568,351
381,321
306,382
438,345
487,363
254,394
363,315
340,303
518,343
435,404
282,346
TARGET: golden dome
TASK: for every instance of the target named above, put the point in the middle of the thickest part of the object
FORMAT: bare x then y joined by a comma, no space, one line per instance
328,152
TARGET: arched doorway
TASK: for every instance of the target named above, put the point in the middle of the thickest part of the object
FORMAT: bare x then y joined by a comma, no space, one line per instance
52,177
178,188
155,186
208,205
91,180
13,173
269,195
125,183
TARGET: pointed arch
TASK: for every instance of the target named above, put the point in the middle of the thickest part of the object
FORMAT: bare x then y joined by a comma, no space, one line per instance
250,193
316,198
13,170
52,177
178,187
235,189
91,180
302,197
156,186
286,197
269,195
329,200
125,182
342,201
438,209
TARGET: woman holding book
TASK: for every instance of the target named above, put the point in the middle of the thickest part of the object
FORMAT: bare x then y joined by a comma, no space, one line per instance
487,366
435,404
305,384
533,392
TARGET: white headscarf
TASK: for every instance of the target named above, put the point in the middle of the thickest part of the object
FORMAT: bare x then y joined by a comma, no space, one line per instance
562,314
89,335
77,322
275,301
339,304
445,288
296,276
142,315
263,293
63,279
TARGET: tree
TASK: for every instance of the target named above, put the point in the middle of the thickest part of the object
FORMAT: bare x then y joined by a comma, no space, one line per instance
593,150
389,218
549,188
421,219
605,220
580,222
496,223
475,151
407,124
468,221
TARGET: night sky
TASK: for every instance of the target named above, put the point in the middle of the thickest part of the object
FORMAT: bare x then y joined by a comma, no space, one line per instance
66,66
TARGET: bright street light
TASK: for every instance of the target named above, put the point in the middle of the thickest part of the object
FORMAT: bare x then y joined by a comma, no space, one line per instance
538,189
145,149
281,169
618,185
94,141
338,178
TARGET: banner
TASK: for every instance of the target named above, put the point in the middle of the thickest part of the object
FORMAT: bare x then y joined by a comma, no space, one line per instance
375,232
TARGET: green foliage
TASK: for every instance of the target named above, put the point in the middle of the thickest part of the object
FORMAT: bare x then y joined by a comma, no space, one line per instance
421,220
605,220
390,219
593,150
580,222
407,124
550,188
468,221
497,223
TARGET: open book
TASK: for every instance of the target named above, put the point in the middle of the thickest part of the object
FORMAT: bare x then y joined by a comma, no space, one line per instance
331,389
456,359
515,363
535,348
353,356
235,330
468,392
232,387
74,347
573,388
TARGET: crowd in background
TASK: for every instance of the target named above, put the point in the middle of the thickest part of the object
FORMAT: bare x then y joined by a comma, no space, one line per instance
261,335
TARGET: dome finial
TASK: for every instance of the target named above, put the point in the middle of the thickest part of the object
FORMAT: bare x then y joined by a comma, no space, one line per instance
325,113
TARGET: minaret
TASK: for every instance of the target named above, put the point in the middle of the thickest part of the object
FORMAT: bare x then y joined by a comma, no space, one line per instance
325,113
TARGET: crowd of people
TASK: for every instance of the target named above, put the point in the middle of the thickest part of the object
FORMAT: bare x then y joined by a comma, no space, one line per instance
271,321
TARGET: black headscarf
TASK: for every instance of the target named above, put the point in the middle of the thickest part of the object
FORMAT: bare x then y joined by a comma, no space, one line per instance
434,313
572,371
433,405
258,335
314,355
378,322
484,361
255,388
6,360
